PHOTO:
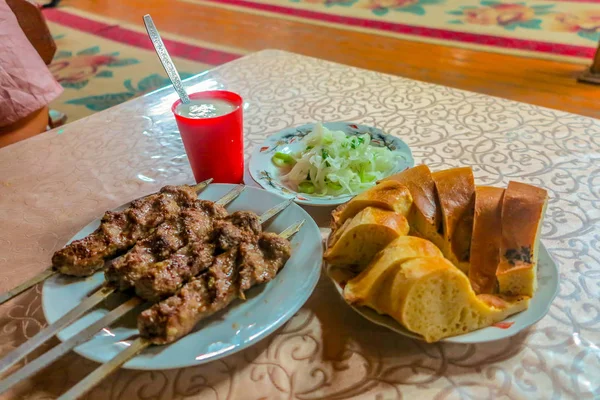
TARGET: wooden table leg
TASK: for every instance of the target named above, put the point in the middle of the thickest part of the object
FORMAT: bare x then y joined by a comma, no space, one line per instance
592,75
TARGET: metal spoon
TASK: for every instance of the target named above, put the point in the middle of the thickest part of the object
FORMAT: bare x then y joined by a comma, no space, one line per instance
165,59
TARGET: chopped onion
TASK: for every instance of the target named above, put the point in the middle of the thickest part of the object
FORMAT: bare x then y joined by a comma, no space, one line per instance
333,163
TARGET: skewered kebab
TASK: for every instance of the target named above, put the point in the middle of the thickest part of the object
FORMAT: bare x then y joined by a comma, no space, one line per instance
237,227
176,263
232,273
143,210
119,231
165,277
192,224
260,262
88,303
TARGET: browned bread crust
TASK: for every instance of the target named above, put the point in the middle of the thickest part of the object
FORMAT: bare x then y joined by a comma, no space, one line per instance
420,183
486,239
456,192
523,209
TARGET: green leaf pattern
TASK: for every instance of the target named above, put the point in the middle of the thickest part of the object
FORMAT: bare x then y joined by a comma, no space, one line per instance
98,65
383,7
416,9
145,85
122,62
593,36
104,74
89,51
343,3
74,84
510,15
507,15
62,54
102,102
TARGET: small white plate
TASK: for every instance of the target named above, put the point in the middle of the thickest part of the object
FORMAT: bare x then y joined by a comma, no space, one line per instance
242,324
538,306
268,175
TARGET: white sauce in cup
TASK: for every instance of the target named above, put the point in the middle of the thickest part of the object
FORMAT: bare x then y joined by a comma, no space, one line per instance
205,108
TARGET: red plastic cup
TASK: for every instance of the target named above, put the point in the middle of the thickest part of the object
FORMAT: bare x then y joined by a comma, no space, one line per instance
214,146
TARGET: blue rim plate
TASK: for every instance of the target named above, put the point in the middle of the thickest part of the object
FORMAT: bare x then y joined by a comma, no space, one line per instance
242,324
539,306
267,175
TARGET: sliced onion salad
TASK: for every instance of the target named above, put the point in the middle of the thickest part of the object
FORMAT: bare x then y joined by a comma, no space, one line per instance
333,163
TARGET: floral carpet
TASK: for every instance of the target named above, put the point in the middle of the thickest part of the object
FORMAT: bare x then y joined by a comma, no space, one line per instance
567,30
102,63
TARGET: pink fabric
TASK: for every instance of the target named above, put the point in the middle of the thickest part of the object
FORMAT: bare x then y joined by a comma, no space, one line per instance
26,84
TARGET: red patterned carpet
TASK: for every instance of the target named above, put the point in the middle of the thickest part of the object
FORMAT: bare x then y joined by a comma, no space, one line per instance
563,29
102,63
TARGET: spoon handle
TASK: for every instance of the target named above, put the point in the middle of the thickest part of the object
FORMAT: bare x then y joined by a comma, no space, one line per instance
165,59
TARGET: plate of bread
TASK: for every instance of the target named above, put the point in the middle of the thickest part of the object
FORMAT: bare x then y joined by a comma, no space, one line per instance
432,256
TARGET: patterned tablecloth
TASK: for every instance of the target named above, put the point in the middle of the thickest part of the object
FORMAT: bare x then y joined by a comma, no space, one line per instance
52,185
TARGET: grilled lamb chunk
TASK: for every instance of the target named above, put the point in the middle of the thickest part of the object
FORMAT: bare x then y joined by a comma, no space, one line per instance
119,231
232,272
238,227
164,278
194,224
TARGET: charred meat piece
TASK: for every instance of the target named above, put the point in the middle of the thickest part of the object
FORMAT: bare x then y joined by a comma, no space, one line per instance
260,262
174,317
119,231
240,226
194,224
250,264
164,278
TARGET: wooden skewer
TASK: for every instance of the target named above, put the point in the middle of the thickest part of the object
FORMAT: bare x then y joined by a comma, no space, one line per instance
98,375
90,331
47,273
58,351
292,229
202,185
42,336
231,195
273,211
139,344
87,304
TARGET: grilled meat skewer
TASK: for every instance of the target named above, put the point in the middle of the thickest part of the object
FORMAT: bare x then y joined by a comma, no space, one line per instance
231,274
194,224
86,304
164,278
119,231
262,266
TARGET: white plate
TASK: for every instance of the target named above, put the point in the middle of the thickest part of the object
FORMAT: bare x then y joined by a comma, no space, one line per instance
242,324
538,306
268,175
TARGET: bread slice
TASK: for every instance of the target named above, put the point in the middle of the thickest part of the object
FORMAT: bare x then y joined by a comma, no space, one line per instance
368,232
425,208
391,196
523,209
358,289
487,238
456,190
432,298
425,216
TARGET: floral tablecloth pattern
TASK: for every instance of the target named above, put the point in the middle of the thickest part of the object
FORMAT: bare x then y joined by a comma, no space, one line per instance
53,184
